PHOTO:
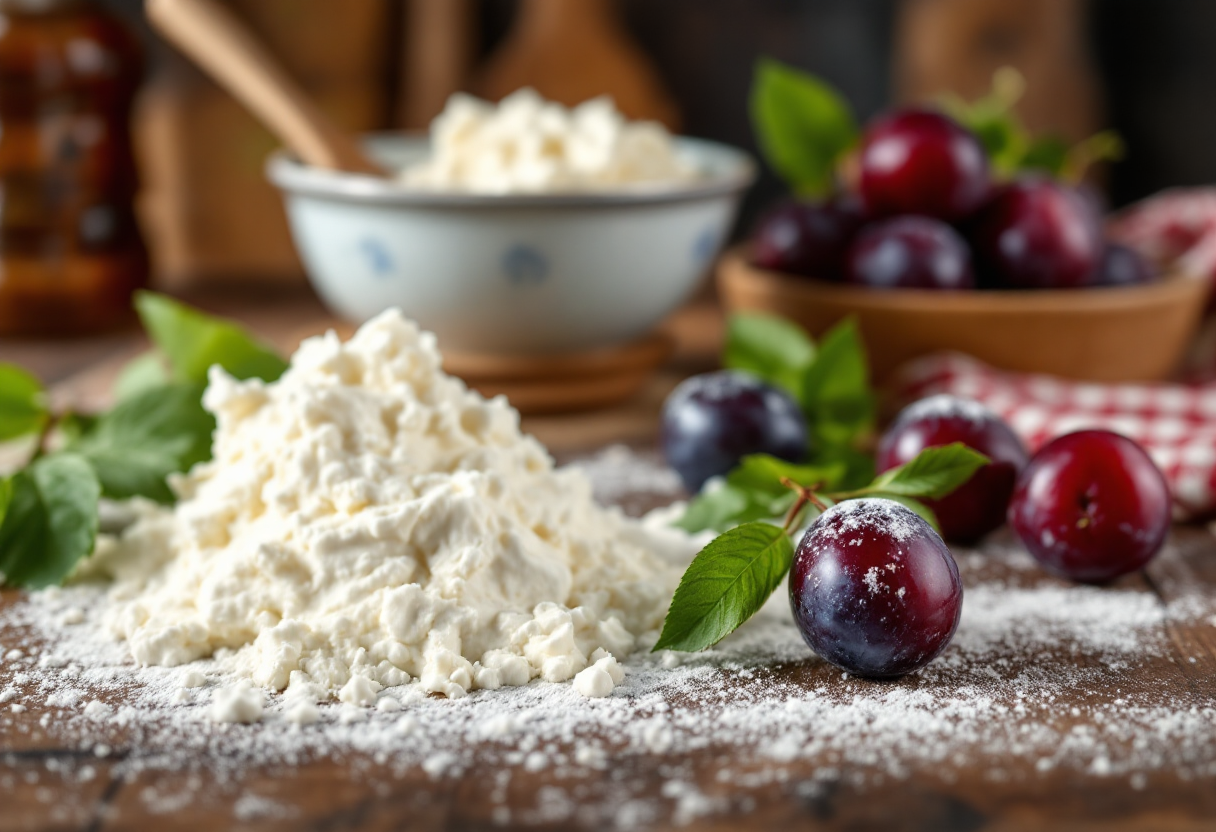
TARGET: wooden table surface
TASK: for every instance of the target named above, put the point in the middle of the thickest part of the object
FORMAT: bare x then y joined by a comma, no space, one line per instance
40,786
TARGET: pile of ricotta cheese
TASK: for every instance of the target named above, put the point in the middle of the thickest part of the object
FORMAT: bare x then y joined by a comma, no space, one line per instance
368,522
526,144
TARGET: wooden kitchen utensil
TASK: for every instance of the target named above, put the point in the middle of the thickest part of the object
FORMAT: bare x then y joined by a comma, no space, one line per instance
223,46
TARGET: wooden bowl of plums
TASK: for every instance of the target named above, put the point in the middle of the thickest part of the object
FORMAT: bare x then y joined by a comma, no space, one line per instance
931,251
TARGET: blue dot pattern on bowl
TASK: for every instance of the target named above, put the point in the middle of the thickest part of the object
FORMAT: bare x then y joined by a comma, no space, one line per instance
377,256
705,246
524,265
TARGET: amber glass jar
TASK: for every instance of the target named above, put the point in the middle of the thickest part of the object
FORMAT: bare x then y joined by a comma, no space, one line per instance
70,250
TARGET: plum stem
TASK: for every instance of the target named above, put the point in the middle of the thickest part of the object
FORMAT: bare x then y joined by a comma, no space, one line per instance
805,495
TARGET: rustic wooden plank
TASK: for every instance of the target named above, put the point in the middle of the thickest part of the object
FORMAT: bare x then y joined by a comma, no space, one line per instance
995,792
53,790
1184,575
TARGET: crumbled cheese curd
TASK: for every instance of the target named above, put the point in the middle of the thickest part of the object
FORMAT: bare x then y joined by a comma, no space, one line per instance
528,145
368,522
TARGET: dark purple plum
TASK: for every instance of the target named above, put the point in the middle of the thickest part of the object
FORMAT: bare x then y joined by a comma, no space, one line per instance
806,238
712,421
978,506
1122,266
874,590
1038,234
1091,506
922,162
910,252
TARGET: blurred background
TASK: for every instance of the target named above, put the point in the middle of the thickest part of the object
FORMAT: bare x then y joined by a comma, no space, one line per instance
1144,68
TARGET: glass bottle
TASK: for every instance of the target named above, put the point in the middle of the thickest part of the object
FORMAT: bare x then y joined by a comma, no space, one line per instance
71,253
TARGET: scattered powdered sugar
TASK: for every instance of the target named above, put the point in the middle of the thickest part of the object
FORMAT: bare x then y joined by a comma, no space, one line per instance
255,807
619,474
757,710
871,515
871,580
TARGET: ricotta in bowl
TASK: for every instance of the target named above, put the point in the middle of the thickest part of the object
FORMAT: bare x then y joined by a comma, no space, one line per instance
526,144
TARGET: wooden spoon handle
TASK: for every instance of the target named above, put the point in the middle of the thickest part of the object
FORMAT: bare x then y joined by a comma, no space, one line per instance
223,46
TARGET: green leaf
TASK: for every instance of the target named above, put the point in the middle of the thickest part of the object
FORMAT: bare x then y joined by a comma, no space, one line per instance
803,126
51,521
764,473
916,505
193,342
1001,136
714,509
857,466
769,347
836,395
753,491
729,505
725,585
72,426
140,374
22,403
996,126
6,497
994,121
933,473
1106,146
135,446
1046,153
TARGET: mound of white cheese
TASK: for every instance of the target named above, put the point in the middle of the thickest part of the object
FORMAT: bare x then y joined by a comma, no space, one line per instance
525,144
367,522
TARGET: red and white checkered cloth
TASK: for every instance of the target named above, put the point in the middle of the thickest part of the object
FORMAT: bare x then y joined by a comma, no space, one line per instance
1177,226
1175,423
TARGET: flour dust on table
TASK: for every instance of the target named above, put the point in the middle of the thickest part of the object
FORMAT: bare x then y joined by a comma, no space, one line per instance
1036,679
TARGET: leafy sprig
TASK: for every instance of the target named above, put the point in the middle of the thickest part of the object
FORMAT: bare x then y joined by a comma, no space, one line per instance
1011,147
735,574
806,130
49,507
732,577
830,381
804,127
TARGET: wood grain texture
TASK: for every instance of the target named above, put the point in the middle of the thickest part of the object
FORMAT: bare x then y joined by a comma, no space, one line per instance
40,770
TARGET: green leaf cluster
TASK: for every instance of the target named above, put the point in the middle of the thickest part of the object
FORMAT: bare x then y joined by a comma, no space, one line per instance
48,508
733,576
830,381
187,343
1012,148
753,491
802,125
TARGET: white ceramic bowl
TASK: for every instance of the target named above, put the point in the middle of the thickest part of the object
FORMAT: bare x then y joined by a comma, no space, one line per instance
510,274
